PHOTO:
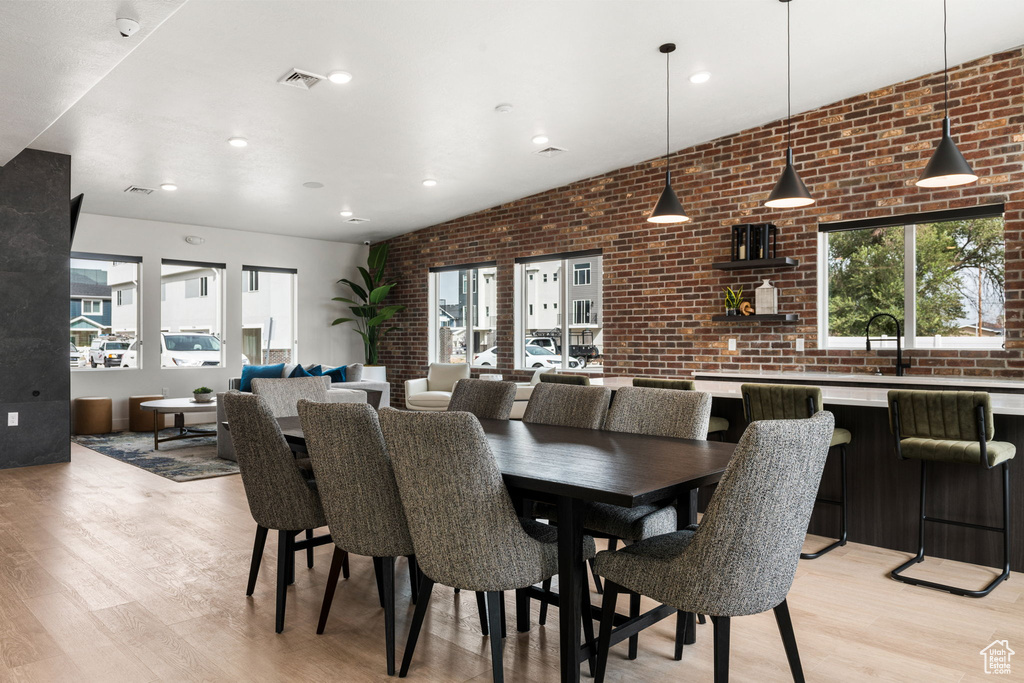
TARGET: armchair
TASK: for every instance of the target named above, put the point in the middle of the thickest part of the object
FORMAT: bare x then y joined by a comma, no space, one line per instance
434,391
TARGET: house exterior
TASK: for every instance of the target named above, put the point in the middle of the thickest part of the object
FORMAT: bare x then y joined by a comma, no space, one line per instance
90,305
582,299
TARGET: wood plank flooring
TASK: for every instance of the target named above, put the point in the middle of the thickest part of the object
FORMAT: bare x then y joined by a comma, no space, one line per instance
109,573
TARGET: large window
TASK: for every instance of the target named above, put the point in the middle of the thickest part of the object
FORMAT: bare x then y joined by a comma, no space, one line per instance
540,302
464,312
191,314
104,315
268,315
940,274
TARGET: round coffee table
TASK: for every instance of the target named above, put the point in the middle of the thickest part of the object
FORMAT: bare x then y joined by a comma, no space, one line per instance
178,406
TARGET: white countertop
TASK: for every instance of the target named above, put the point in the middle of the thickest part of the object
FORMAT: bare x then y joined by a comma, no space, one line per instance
990,384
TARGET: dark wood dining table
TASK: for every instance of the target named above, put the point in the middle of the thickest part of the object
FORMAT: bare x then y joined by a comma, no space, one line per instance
571,467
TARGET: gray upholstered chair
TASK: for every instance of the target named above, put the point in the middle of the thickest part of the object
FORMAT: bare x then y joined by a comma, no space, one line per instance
952,427
463,525
282,395
484,398
575,380
792,402
568,406
360,499
716,425
279,495
742,557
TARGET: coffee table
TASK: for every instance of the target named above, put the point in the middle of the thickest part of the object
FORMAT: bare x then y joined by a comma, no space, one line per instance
178,406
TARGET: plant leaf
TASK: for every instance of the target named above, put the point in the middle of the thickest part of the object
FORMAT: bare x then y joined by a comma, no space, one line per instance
378,256
360,292
342,320
344,300
377,295
366,278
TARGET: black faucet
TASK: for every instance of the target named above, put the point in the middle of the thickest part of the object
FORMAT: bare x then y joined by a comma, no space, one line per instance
899,346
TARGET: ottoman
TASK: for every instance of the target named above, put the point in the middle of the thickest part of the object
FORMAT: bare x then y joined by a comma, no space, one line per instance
93,415
140,420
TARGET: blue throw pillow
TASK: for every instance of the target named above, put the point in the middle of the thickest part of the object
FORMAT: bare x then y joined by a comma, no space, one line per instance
314,370
337,374
250,372
299,371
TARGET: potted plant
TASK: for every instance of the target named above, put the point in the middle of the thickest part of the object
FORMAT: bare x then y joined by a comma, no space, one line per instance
369,312
733,298
203,395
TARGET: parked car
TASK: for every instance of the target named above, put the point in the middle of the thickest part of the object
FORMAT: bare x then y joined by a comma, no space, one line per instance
107,352
182,350
583,353
533,357
128,360
77,357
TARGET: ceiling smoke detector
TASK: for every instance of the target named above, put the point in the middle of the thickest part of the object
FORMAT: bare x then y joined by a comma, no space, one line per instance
137,189
551,151
297,78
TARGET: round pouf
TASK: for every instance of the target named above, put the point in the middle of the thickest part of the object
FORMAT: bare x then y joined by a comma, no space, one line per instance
93,415
140,420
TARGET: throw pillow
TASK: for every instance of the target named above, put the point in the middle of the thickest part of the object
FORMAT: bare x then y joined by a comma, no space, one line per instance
314,370
249,372
299,371
337,374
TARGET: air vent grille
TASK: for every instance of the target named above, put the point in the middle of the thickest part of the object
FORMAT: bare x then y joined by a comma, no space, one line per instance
358,220
136,189
550,151
303,80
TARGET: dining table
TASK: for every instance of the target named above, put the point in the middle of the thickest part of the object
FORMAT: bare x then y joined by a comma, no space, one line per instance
572,467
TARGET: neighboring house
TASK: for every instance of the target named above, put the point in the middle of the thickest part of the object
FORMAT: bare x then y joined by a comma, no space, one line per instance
987,330
583,302
90,305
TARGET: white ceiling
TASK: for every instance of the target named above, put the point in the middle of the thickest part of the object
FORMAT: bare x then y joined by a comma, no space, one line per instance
428,75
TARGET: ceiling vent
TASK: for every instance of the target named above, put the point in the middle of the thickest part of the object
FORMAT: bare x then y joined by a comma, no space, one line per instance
550,151
358,220
303,80
135,189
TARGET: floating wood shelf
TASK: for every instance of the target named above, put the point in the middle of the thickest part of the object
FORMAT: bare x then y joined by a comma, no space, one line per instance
782,262
750,319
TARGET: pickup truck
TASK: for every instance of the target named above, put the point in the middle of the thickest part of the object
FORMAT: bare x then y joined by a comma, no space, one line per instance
107,353
583,353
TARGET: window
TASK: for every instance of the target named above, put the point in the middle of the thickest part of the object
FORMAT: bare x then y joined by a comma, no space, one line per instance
192,315
104,314
539,300
268,315
940,274
463,317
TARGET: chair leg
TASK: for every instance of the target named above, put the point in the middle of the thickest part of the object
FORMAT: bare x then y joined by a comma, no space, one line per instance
309,550
721,649
284,552
481,608
597,579
588,626
789,641
378,573
503,620
701,619
546,587
426,586
682,618
388,571
257,557
340,556
344,566
841,541
611,594
522,610
291,557
494,617
634,611
414,584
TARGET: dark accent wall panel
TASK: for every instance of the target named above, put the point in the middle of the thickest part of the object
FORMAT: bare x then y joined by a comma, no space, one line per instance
35,375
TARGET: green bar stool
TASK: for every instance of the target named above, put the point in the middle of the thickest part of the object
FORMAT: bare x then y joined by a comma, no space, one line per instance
717,425
950,427
797,402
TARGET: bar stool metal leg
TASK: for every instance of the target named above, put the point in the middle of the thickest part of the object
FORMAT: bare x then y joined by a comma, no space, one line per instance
842,511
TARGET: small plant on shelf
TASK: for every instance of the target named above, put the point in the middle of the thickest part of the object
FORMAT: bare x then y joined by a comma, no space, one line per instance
202,394
733,298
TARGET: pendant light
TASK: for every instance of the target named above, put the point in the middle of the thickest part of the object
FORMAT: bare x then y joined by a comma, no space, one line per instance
668,209
947,166
790,192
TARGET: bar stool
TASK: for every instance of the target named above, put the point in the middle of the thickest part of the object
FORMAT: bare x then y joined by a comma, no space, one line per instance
574,380
796,402
950,427
717,425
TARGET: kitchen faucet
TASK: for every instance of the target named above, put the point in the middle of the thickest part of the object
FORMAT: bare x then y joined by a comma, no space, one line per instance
899,346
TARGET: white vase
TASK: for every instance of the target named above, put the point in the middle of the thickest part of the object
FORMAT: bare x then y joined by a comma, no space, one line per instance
376,373
766,299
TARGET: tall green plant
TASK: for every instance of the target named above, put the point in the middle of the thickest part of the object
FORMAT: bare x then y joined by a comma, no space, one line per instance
369,313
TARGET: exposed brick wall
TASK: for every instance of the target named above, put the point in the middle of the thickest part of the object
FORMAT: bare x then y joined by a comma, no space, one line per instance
860,157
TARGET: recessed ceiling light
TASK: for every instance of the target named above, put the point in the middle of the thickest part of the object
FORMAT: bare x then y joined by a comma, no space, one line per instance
339,77
346,214
238,142
313,185
170,187
700,77
540,139
429,182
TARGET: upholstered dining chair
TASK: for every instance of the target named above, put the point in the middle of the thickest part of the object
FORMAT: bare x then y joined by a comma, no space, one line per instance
716,425
464,528
742,557
279,495
555,378
360,498
953,428
792,402
282,395
568,406
484,398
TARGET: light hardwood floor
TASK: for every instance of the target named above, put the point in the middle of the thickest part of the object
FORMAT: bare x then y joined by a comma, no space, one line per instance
109,573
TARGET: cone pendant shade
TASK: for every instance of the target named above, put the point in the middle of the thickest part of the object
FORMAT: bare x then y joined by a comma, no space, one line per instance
947,166
790,191
668,209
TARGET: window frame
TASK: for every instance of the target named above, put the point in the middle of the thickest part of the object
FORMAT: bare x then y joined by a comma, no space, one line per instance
217,326
579,269
251,274
468,286
92,302
114,260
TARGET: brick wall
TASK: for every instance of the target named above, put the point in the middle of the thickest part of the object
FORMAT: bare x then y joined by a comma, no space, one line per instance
860,157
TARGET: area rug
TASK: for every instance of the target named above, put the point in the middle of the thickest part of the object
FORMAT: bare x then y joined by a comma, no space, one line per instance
185,460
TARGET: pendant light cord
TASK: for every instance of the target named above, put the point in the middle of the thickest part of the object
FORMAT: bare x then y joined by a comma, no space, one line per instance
945,64
668,112
789,85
